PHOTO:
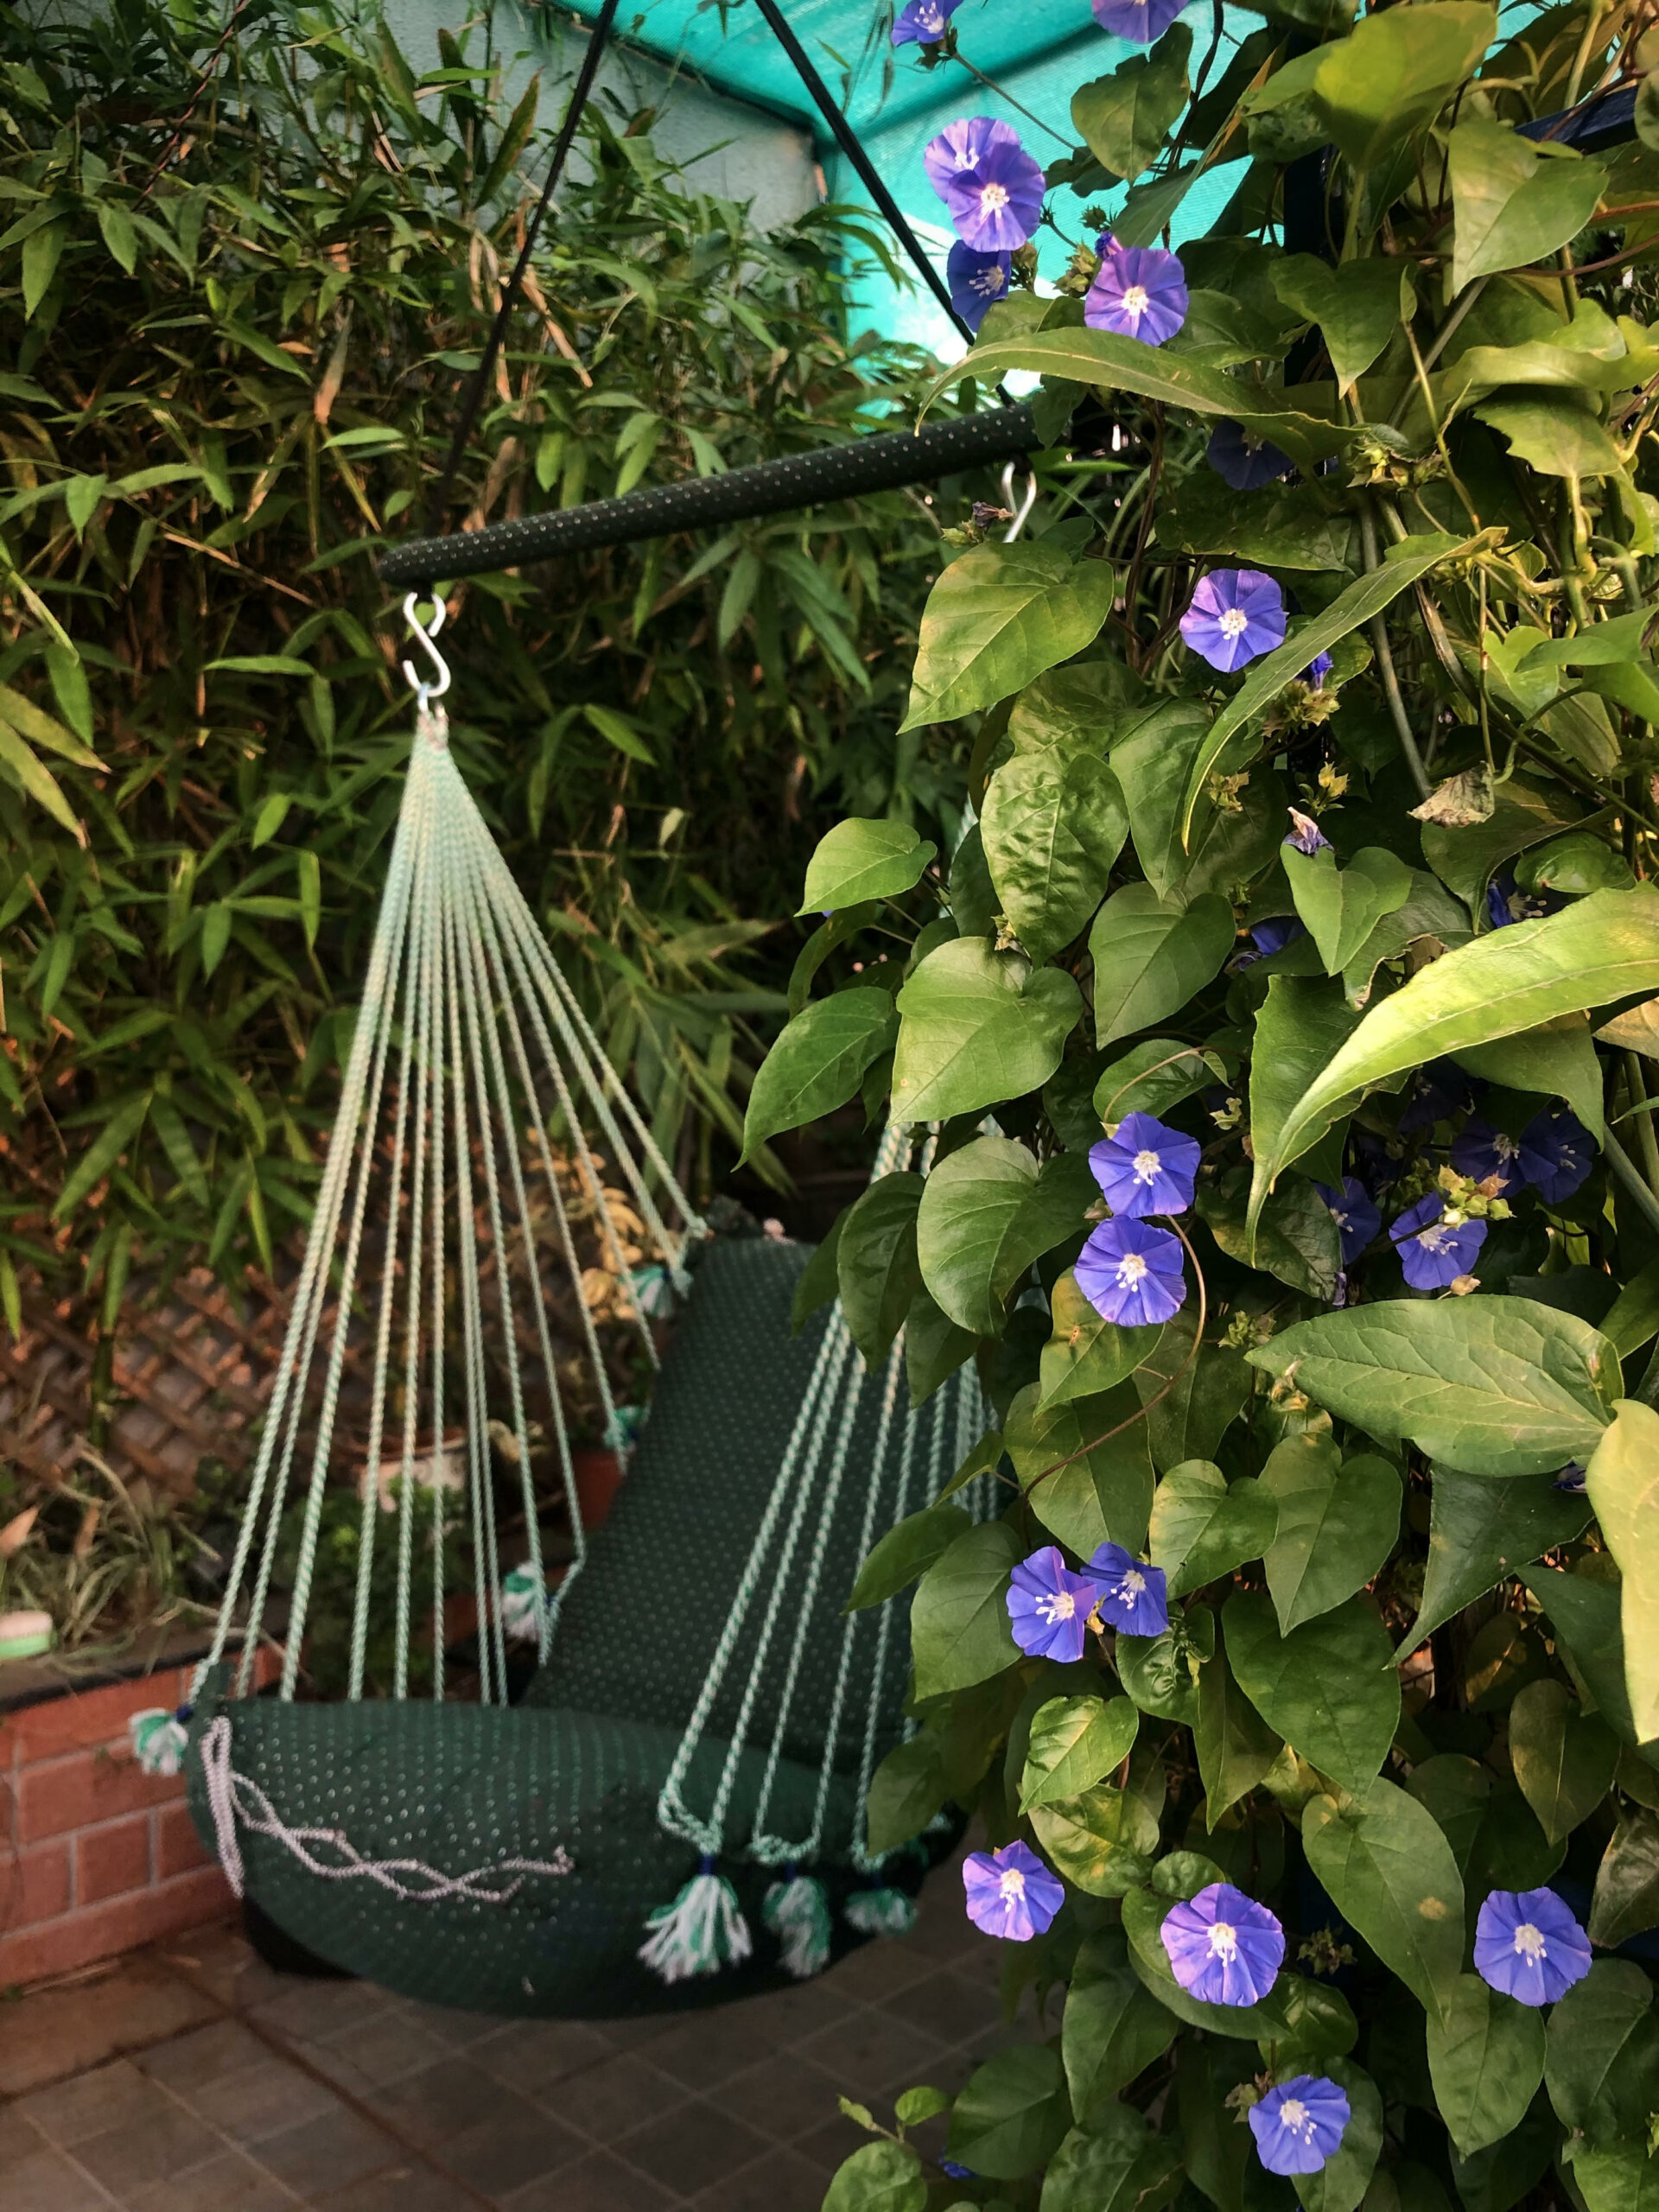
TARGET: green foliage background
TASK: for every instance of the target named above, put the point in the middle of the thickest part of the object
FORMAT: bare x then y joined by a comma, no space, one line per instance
1413,1651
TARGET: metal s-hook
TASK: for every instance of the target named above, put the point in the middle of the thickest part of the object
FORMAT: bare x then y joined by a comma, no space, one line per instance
426,692
1022,514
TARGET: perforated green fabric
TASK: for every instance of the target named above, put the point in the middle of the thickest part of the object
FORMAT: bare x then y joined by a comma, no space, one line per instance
580,1764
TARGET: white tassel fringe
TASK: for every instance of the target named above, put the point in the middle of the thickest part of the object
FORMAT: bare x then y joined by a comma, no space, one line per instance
159,1740
701,1932
798,1912
880,1912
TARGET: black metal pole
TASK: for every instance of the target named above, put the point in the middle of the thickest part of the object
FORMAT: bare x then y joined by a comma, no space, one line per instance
841,471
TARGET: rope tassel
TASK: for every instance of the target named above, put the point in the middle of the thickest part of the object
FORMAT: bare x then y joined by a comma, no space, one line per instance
701,1932
798,1913
880,1912
159,1738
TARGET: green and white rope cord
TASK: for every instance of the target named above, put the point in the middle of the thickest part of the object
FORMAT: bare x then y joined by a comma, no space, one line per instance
464,996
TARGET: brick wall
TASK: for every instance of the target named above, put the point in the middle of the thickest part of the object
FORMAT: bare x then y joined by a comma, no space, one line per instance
96,1856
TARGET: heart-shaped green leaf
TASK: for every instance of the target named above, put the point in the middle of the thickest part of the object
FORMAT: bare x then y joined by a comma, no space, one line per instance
975,1028
1328,1688
1087,1354
1074,1742
1563,1757
1342,905
1335,1528
1203,1527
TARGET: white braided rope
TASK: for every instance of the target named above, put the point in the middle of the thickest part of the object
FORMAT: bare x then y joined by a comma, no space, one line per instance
235,1800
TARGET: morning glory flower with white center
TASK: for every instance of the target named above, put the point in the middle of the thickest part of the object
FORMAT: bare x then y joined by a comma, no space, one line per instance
1132,1273
1573,1479
1142,22
1140,291
1049,1607
1224,1949
1131,1592
1506,903
1305,833
1357,1218
990,184
1433,1251
1243,460
977,282
924,22
1529,1945
1268,937
1316,671
1556,1154
1487,1155
1146,1168
1011,1893
1234,616
1441,1090
1299,2127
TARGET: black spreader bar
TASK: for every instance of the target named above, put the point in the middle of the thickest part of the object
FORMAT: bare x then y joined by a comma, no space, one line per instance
770,487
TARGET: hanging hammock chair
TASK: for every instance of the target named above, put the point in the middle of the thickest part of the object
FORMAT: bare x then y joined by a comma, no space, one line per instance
673,1810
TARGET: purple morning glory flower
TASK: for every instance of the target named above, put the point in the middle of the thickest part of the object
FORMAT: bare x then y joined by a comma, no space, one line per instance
1131,1593
1268,937
1441,1090
956,2173
1224,1949
1146,1168
1556,1153
1316,671
1572,1478
1305,834
1049,1607
990,184
1435,1253
1140,292
1131,1273
1299,2125
1234,617
1142,22
1484,1154
1357,1220
1243,460
924,22
1011,1893
1507,903
1529,1945
977,282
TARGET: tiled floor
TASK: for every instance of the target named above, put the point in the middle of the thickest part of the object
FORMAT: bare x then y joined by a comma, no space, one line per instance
241,2090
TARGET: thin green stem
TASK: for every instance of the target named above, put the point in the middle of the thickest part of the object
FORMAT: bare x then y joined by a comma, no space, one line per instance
1385,666
1628,1174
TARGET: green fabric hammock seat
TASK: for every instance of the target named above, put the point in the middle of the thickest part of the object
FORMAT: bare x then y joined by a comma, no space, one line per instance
673,1812
583,1759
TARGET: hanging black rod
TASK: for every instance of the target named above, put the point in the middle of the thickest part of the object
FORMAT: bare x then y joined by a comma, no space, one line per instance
841,471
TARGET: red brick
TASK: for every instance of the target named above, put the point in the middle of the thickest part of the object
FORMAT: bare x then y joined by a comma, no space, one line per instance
178,1848
101,1932
108,1861
85,1788
35,1886
82,1719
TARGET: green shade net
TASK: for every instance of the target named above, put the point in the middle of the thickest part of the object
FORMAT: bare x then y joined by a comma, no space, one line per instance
578,1765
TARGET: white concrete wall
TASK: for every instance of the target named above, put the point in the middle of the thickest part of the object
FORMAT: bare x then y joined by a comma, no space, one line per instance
728,150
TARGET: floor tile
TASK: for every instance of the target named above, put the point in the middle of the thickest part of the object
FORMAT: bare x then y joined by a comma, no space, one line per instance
947,2006
609,2100
19,2137
46,2182
599,2184
876,1969
784,2015
371,2056
400,2188
871,2052
111,2096
329,2151
449,2024
705,2051
316,2011
503,2152
781,2182
166,2140
228,2183
828,2145
259,2099
536,2056
693,2148
52,2034
785,2096
187,2061
429,2107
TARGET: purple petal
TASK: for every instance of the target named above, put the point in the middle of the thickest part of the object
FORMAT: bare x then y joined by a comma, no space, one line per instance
1529,1945
1299,2127
1146,1168
1132,1273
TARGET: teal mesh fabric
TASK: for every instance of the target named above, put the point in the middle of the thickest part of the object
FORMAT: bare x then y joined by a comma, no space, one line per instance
642,1621
579,1764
